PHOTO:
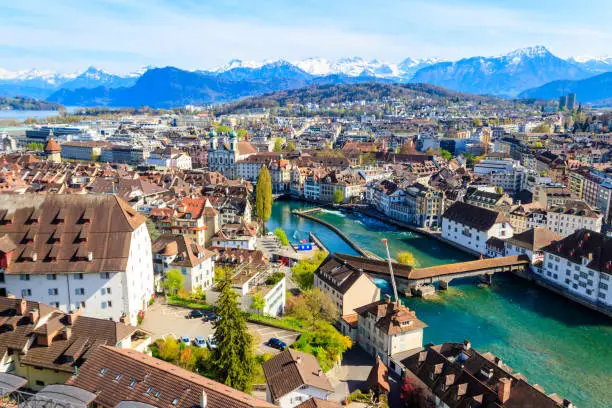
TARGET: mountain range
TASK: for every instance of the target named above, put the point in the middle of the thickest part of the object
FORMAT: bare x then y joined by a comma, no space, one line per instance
508,75
596,90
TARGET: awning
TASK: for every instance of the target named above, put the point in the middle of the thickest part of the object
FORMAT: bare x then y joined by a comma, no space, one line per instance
10,383
66,396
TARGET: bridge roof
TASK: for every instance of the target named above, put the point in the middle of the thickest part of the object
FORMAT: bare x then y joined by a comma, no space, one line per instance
381,267
469,266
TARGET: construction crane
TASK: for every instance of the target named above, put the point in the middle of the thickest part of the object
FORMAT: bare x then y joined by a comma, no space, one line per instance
384,240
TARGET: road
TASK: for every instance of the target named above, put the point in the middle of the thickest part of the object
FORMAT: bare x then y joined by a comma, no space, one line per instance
164,320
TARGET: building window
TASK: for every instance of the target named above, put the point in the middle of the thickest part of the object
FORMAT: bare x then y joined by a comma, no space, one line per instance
24,277
79,291
53,291
78,276
51,276
105,275
26,292
82,305
40,383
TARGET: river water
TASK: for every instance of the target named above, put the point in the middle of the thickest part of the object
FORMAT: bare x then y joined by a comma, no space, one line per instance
563,347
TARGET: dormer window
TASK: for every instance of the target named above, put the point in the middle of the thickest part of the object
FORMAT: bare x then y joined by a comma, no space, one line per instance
60,217
117,378
103,371
133,384
149,390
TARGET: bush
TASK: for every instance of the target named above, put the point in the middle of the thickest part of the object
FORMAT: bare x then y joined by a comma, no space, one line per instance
327,344
303,271
281,236
275,278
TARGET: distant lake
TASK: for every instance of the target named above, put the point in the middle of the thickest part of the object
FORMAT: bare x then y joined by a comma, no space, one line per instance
21,115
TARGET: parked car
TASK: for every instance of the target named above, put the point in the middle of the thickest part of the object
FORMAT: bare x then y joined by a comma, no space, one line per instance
212,342
184,340
277,344
199,341
195,314
210,317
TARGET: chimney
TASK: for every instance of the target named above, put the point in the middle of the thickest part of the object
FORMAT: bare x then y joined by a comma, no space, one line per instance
498,362
34,315
320,372
67,332
298,360
21,307
72,316
467,344
503,390
203,400
387,298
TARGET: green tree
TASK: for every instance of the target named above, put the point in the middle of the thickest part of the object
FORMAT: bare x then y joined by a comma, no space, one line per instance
542,128
233,358
446,155
242,134
499,190
326,344
258,302
281,236
222,129
538,145
174,281
338,196
263,195
278,145
303,270
166,349
290,146
315,307
477,122
406,258
368,159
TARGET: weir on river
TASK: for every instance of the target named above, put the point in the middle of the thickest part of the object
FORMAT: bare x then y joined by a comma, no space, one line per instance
555,343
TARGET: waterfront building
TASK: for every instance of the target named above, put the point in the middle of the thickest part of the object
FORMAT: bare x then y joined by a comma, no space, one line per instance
457,376
45,346
293,377
241,236
487,197
350,184
388,330
471,227
424,206
181,253
115,375
530,242
348,287
580,265
89,252
572,216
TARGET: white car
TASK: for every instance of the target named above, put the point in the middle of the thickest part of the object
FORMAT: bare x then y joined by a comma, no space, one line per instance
199,341
212,343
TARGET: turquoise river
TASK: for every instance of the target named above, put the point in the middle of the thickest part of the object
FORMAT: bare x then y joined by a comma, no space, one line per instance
563,347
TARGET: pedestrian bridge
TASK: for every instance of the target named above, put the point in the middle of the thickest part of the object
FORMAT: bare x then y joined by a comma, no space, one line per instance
408,277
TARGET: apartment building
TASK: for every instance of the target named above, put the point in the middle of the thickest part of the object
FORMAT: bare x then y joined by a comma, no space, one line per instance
387,329
581,265
471,226
89,252
171,158
572,216
117,375
293,378
343,279
183,254
45,345
505,173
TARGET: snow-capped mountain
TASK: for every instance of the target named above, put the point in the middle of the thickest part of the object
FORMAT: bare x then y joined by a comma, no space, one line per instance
505,75
593,64
94,77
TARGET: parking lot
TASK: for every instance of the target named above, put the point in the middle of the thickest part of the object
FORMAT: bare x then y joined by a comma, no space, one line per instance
164,320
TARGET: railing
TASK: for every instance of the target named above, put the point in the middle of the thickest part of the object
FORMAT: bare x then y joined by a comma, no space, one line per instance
23,399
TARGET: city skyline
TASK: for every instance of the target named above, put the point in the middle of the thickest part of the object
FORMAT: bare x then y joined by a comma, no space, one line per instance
123,36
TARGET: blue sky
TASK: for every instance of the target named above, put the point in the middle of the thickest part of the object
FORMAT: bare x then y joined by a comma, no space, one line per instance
122,35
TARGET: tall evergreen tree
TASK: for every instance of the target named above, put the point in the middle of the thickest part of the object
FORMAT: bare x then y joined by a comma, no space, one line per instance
263,197
233,358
